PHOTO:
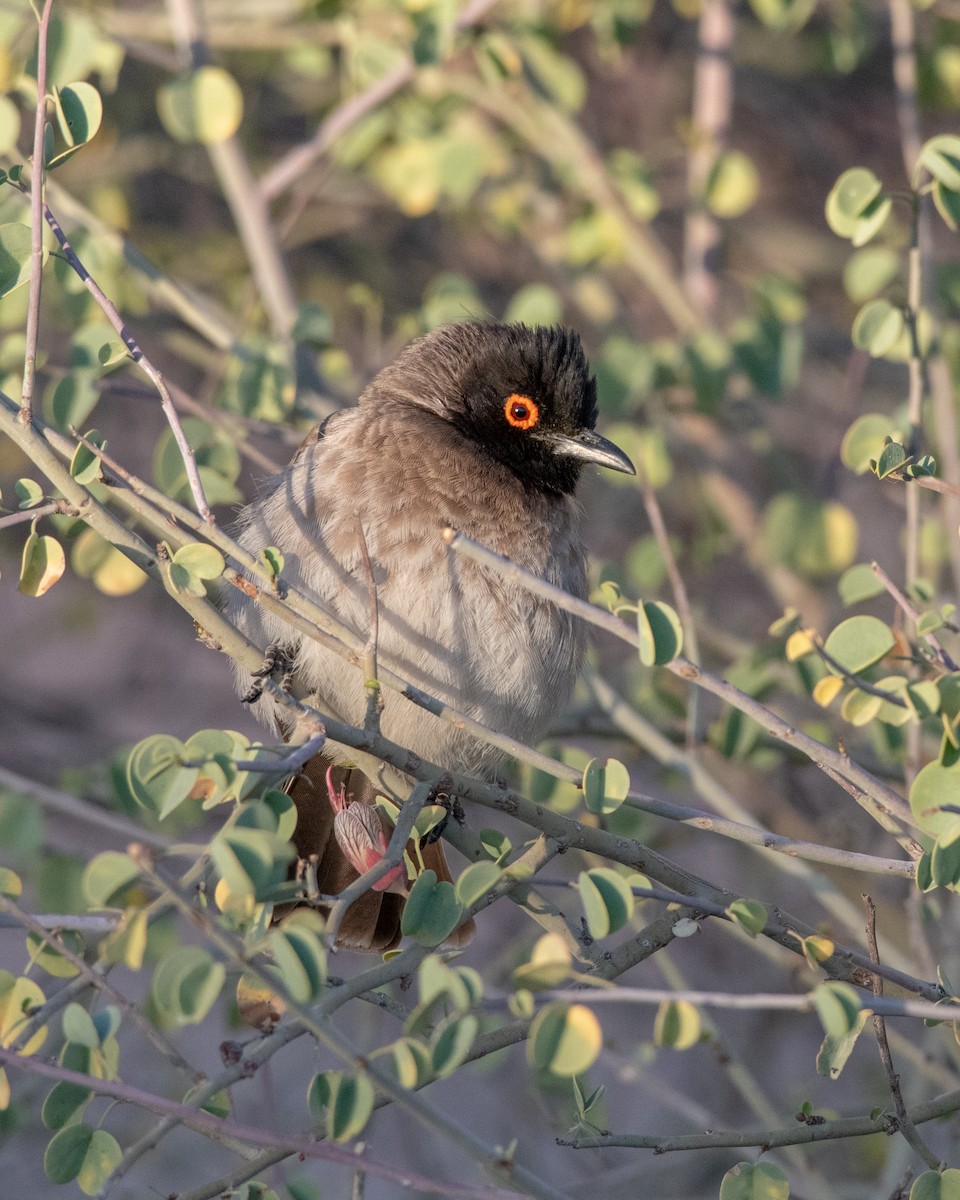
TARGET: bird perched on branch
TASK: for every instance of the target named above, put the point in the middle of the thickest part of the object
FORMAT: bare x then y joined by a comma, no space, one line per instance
481,427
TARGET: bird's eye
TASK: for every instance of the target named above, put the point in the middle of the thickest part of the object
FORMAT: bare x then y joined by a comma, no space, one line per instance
521,412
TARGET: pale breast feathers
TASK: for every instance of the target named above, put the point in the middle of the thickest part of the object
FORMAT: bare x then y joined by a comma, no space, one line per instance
489,649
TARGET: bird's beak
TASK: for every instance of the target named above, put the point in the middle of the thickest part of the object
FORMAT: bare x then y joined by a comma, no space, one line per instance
590,447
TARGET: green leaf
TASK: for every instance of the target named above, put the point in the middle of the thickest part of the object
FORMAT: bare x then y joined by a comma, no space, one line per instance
607,900
733,185
200,559
85,466
877,327
432,911
835,1050
155,777
549,965
947,203
755,1181
408,1060
937,1185
476,881
11,885
79,112
17,997
892,458
859,642
660,632
15,242
301,960
186,984
945,856
64,1103
78,1027
345,1100
859,583
869,271
750,915
838,1007
677,1025
101,1160
67,1152
606,783
272,559
564,1039
864,441
849,199
451,1043
535,304
43,564
106,875
205,106
941,157
935,787
194,563
29,493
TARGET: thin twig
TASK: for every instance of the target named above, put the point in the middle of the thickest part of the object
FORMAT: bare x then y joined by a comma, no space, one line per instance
95,978
905,1125
295,164
222,1129
684,669
680,596
793,1135
909,610
34,514
36,223
143,362
247,206
392,857
82,810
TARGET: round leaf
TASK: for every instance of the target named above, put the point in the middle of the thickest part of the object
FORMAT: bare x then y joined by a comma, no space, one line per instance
476,881
607,900
43,564
750,915
859,642
452,1042
106,875
301,961
564,1039
863,441
935,787
349,1106
660,631
937,1185
432,911
606,783
205,106
15,240
677,1025
17,997
877,327
755,1181
66,1153
155,777
849,197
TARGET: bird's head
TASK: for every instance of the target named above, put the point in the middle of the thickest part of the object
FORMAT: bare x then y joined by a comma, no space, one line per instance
524,396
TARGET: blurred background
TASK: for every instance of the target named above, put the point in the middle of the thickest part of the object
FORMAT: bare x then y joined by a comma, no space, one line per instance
333,179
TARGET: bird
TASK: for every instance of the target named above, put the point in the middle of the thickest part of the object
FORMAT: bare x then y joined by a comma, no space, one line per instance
480,426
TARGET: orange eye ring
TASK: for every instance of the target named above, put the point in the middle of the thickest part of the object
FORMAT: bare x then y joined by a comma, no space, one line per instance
521,412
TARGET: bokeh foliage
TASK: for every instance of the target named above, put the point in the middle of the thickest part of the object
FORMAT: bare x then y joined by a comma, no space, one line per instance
751,215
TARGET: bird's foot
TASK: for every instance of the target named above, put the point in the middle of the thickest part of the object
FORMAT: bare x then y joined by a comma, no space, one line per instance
277,660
